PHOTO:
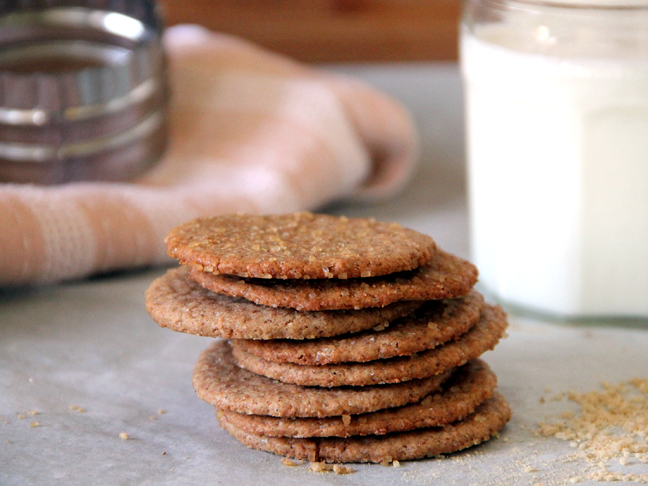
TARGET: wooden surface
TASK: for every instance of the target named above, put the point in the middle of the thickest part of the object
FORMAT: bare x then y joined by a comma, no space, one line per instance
332,30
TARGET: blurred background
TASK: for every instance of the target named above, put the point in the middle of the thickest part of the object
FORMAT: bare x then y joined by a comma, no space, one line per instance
332,30
407,49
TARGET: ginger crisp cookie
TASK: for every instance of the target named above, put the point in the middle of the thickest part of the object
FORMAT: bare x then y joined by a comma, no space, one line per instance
298,246
460,395
219,381
435,323
482,337
445,276
478,427
179,303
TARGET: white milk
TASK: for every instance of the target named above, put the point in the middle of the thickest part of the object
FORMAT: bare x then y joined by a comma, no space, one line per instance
558,177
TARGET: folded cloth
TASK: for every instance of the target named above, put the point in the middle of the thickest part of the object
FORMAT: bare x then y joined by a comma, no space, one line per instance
249,131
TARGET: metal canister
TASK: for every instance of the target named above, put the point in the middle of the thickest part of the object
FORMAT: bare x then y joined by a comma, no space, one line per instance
83,90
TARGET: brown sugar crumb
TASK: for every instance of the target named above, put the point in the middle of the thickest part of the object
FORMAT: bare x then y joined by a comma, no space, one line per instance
336,468
386,461
611,426
320,467
287,462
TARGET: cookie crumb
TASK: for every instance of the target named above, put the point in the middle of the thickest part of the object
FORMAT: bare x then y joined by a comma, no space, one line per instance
318,466
33,412
386,461
164,453
396,464
287,462
123,436
337,469
34,424
74,407
346,419
161,412
611,424
21,416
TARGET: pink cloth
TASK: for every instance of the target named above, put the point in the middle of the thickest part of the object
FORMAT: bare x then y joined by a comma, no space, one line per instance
250,131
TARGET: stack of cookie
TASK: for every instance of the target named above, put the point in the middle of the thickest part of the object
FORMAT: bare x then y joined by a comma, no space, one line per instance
349,340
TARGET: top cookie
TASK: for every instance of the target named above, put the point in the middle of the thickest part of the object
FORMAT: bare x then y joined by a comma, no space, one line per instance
298,246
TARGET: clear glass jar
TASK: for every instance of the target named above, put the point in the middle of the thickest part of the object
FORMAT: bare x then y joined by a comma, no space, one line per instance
557,147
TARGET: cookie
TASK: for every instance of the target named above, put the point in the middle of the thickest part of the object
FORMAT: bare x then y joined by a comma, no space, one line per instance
478,427
179,303
435,323
482,337
219,381
298,246
445,276
467,388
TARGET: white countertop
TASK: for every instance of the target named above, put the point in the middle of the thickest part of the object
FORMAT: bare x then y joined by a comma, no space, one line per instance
92,345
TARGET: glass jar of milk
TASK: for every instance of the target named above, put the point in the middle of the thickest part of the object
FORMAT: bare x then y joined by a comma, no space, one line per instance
557,130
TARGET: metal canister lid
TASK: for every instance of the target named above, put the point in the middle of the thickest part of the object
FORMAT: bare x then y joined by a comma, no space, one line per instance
83,90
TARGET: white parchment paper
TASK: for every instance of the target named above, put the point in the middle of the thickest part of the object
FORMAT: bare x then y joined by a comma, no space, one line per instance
91,345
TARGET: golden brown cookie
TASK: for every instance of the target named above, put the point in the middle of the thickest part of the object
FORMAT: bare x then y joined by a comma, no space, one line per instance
469,386
437,322
298,246
217,380
478,427
445,276
179,303
482,337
